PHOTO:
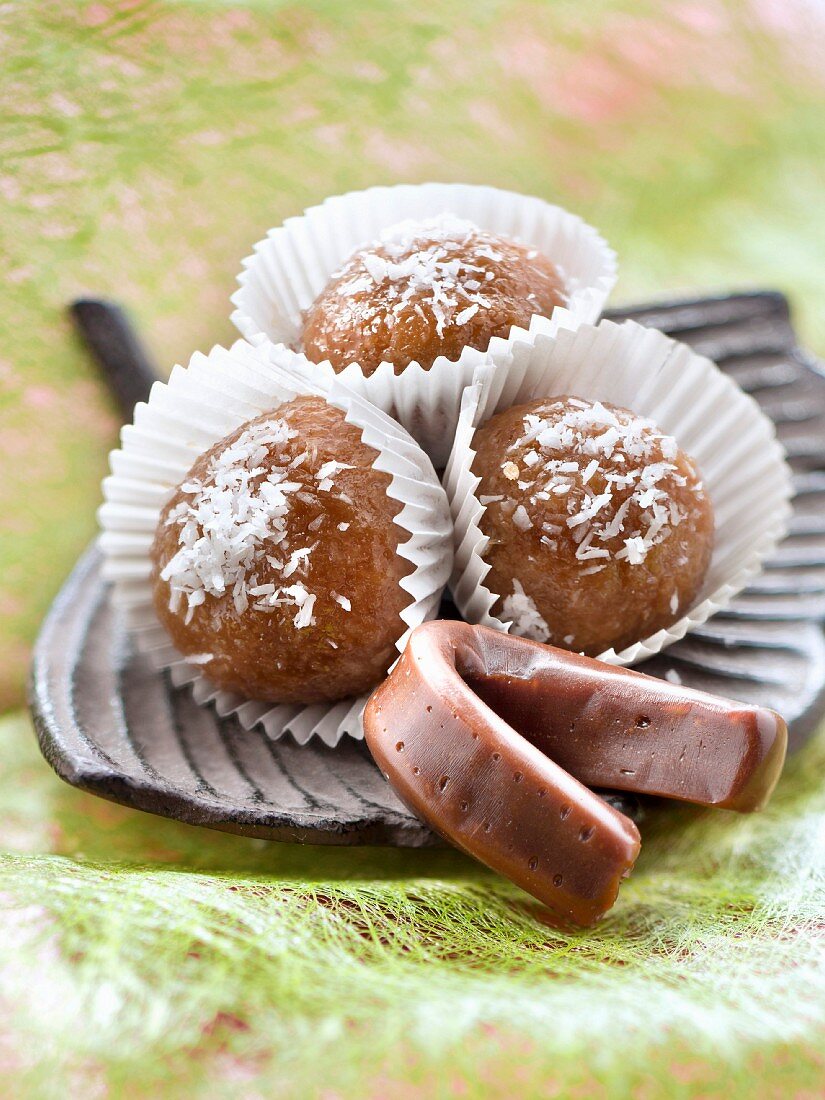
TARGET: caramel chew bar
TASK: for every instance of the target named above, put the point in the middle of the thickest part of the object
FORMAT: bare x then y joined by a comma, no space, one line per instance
492,738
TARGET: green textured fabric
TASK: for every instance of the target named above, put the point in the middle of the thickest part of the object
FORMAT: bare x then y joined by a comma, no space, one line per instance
143,147
141,956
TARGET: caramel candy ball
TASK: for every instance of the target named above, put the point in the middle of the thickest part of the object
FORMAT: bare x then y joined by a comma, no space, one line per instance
275,562
427,289
600,529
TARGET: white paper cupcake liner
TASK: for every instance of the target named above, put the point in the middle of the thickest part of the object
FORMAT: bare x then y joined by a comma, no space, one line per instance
733,443
200,405
293,263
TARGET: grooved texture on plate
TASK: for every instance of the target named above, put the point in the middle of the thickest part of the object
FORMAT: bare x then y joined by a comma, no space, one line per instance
109,723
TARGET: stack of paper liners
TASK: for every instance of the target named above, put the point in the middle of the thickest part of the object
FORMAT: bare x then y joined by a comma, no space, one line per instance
686,395
294,262
182,419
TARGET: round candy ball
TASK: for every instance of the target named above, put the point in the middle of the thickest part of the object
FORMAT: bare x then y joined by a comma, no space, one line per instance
600,529
427,289
275,564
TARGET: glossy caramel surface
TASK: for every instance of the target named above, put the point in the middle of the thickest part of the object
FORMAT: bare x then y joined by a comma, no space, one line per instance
494,740
478,782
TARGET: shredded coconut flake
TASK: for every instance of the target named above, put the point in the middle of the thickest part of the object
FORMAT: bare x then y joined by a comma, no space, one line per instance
231,519
376,266
527,621
521,519
329,469
296,559
432,266
604,463
592,466
466,314
305,616
634,550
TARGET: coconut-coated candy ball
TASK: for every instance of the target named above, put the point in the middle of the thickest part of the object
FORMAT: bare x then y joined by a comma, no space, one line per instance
600,528
275,564
427,289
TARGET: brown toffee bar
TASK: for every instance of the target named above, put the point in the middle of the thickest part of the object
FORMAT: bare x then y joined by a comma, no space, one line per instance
612,727
485,788
481,734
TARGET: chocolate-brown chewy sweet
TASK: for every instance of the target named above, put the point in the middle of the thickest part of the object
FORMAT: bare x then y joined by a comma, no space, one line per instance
275,565
485,788
616,728
490,738
427,289
600,528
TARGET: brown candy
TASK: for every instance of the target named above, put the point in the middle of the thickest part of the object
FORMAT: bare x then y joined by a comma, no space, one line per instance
613,727
480,734
600,531
275,562
476,781
425,290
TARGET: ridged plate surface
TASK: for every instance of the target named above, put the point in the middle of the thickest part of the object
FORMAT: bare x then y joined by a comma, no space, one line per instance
110,724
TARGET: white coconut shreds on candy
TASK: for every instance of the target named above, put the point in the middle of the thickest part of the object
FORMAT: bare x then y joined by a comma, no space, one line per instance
598,477
524,614
235,518
419,266
590,445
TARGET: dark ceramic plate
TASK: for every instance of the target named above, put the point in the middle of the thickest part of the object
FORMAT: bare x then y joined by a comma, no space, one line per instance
111,724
